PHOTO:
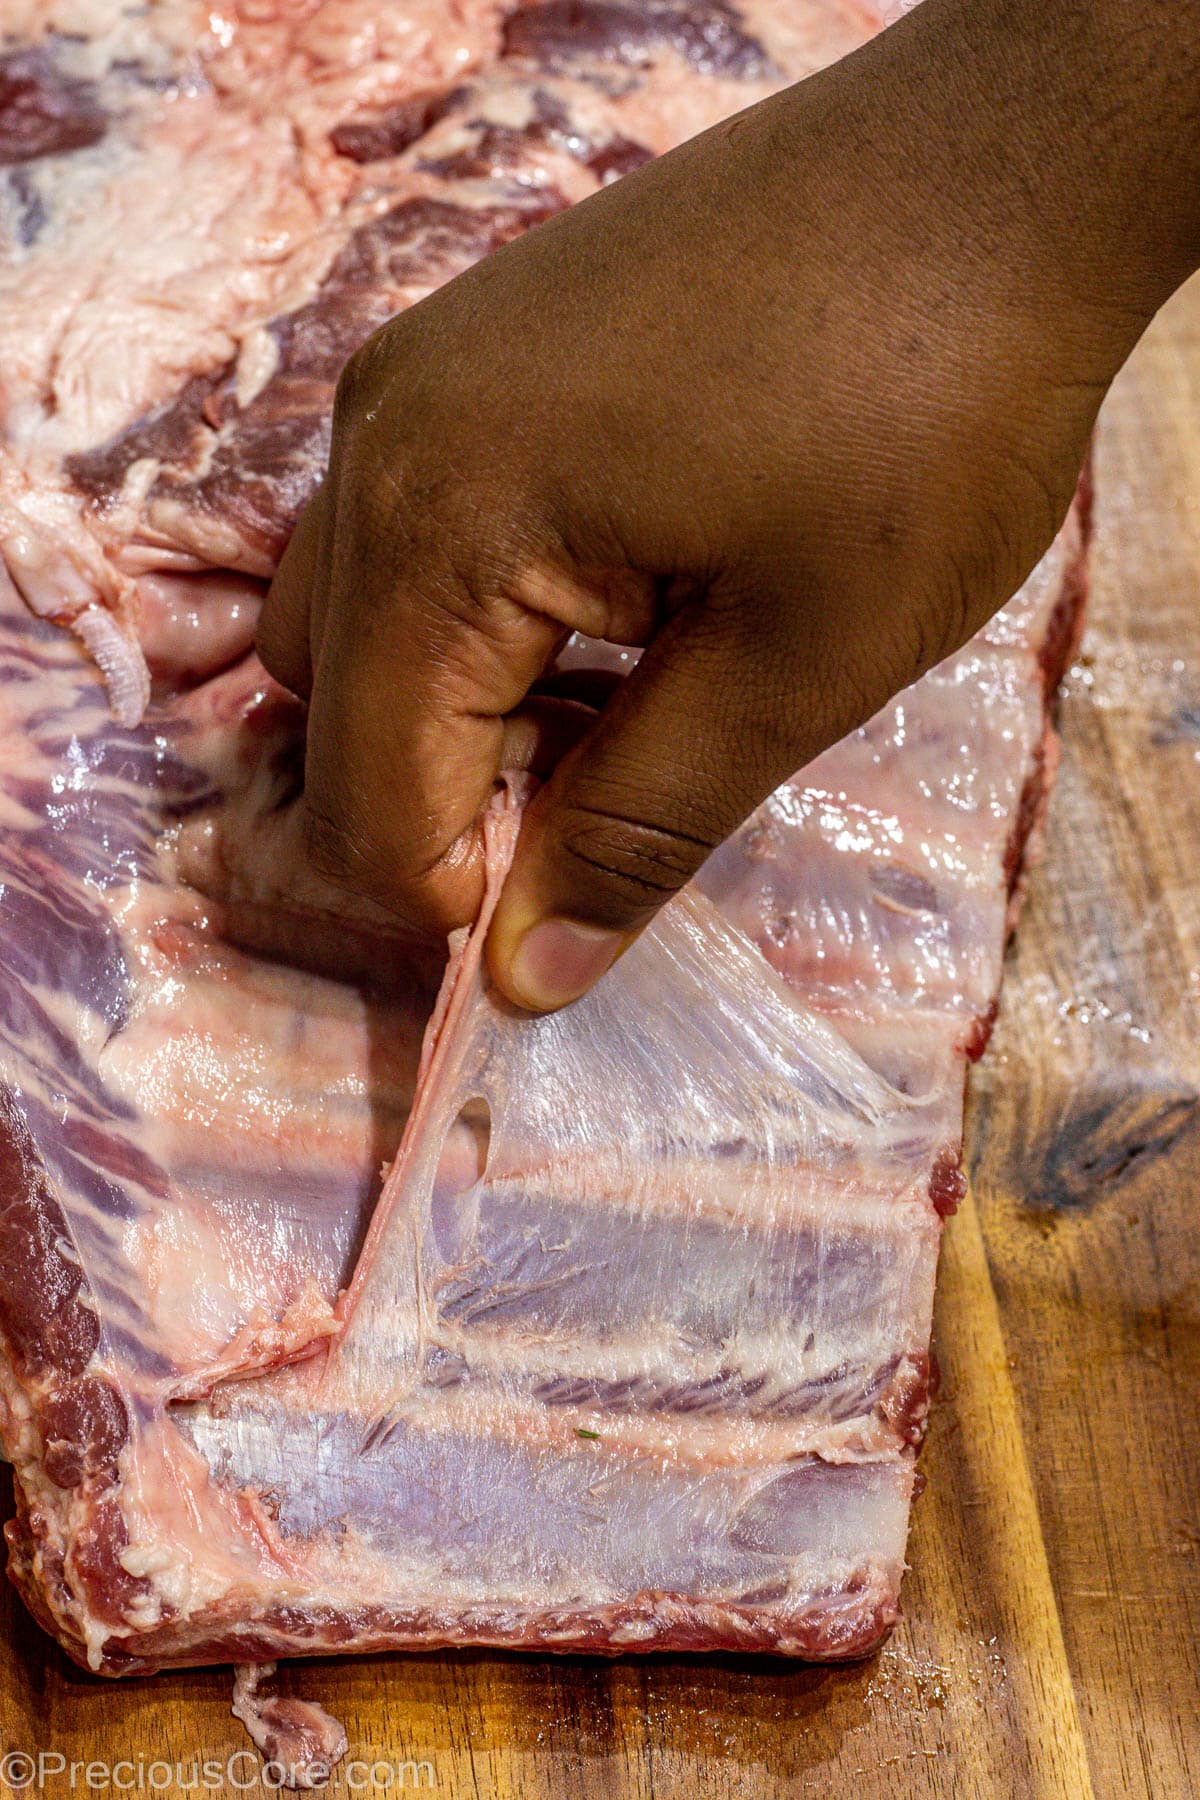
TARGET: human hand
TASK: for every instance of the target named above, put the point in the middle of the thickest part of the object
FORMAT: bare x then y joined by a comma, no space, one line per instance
795,408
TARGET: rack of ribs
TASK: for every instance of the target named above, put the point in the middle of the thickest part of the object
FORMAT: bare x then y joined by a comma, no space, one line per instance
342,1307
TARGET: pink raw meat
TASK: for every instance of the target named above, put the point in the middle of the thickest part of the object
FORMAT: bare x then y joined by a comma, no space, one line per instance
630,1349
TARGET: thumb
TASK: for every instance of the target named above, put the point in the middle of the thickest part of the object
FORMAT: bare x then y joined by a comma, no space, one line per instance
720,710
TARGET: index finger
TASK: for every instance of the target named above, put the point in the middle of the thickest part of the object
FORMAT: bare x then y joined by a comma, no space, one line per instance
416,707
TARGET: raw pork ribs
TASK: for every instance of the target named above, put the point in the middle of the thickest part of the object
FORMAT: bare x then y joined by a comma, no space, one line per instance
630,1349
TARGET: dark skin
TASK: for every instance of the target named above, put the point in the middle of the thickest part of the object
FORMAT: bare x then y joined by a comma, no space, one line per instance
796,407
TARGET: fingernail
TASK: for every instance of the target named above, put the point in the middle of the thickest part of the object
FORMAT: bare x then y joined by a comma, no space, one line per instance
558,960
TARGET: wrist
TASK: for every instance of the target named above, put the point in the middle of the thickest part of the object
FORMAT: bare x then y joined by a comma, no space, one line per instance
1044,154
1086,116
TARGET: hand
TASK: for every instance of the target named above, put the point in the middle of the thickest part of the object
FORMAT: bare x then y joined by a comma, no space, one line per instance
795,408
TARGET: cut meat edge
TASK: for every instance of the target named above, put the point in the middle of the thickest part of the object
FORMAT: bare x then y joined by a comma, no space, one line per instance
649,1621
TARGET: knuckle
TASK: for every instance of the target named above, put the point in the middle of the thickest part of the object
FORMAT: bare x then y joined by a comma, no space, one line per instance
348,393
357,379
328,844
342,852
627,867
418,882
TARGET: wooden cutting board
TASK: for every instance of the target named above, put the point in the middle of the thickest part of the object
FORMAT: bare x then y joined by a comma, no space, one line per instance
1052,1616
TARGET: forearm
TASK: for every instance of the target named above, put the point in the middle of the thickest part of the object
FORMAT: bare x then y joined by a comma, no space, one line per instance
1054,142
1094,106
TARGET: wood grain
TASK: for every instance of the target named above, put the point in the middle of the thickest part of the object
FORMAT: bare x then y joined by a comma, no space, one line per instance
1049,1646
